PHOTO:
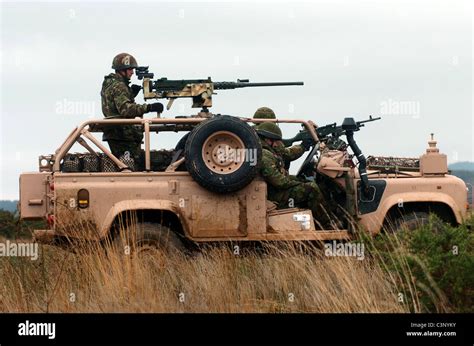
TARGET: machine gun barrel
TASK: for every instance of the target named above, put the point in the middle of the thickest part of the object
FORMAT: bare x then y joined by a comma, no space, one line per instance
245,84
359,123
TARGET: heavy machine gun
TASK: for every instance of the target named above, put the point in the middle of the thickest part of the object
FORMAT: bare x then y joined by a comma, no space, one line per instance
200,90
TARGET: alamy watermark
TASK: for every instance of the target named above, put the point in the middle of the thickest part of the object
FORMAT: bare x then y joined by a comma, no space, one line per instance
69,107
355,249
14,249
406,108
227,154
37,329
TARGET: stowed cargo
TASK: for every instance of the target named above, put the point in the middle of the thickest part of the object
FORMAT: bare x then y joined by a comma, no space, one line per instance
99,162
390,162
86,162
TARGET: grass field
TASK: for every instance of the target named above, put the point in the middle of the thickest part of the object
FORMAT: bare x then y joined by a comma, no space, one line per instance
274,278
215,280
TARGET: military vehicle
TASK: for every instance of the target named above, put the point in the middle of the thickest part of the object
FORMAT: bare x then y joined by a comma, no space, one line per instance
208,188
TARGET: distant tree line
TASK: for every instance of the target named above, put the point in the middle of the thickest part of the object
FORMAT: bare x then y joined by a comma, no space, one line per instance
462,166
10,206
12,227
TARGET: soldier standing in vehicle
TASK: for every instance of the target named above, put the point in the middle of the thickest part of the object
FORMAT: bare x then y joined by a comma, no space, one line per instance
118,102
284,189
288,153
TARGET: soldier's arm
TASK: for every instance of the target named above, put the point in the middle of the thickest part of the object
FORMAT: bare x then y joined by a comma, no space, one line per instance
293,153
125,105
272,175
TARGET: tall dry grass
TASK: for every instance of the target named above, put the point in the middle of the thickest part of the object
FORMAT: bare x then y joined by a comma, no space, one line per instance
276,278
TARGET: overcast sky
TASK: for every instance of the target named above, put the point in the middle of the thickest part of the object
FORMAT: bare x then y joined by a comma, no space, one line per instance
407,61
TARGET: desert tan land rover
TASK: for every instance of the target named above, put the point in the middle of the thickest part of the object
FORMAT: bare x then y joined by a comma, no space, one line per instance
208,188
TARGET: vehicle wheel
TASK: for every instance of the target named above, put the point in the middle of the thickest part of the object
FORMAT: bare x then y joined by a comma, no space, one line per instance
410,221
149,239
222,154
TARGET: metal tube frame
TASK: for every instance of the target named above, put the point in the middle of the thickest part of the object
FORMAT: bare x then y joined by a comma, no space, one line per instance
83,130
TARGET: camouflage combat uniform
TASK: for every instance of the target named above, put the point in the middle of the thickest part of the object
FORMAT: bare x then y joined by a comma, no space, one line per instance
289,153
284,188
118,102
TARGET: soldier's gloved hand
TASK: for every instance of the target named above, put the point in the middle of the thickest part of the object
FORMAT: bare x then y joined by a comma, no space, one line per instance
135,89
306,143
155,107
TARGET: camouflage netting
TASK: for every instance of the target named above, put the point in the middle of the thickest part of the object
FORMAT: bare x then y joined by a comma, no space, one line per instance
91,163
86,162
71,163
129,161
375,162
107,165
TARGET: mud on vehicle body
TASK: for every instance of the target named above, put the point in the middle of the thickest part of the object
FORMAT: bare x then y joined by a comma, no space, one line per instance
208,187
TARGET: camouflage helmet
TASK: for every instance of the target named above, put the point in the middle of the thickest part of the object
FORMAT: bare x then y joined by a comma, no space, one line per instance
264,113
269,130
124,61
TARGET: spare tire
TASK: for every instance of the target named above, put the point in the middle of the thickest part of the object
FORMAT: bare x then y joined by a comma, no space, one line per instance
222,154
182,142
179,150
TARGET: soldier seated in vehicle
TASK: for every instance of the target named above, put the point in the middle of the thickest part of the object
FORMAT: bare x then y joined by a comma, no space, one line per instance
287,190
288,153
118,102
